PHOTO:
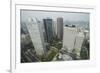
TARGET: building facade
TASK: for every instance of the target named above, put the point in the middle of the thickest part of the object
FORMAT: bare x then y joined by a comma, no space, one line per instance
60,28
73,39
78,42
35,34
48,29
69,37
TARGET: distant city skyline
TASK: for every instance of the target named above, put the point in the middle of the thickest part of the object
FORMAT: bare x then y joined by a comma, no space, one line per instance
67,16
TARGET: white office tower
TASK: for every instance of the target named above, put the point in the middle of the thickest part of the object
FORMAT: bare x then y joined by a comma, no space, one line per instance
41,29
78,42
69,37
86,33
35,34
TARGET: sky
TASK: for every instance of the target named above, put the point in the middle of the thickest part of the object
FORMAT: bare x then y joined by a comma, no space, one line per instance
67,16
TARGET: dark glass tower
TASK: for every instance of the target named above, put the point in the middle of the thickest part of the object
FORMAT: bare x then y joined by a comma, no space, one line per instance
48,29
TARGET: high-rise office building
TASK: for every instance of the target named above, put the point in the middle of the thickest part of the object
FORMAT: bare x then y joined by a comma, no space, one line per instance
60,28
36,35
69,37
87,34
48,29
73,39
53,28
41,28
78,42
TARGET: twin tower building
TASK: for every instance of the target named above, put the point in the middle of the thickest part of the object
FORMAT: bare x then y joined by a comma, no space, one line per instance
43,32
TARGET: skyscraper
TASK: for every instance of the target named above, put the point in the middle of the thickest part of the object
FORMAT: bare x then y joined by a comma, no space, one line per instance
69,37
73,39
60,28
35,34
48,29
54,29
78,42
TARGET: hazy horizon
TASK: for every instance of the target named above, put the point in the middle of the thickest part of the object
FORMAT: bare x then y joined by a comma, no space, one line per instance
67,16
